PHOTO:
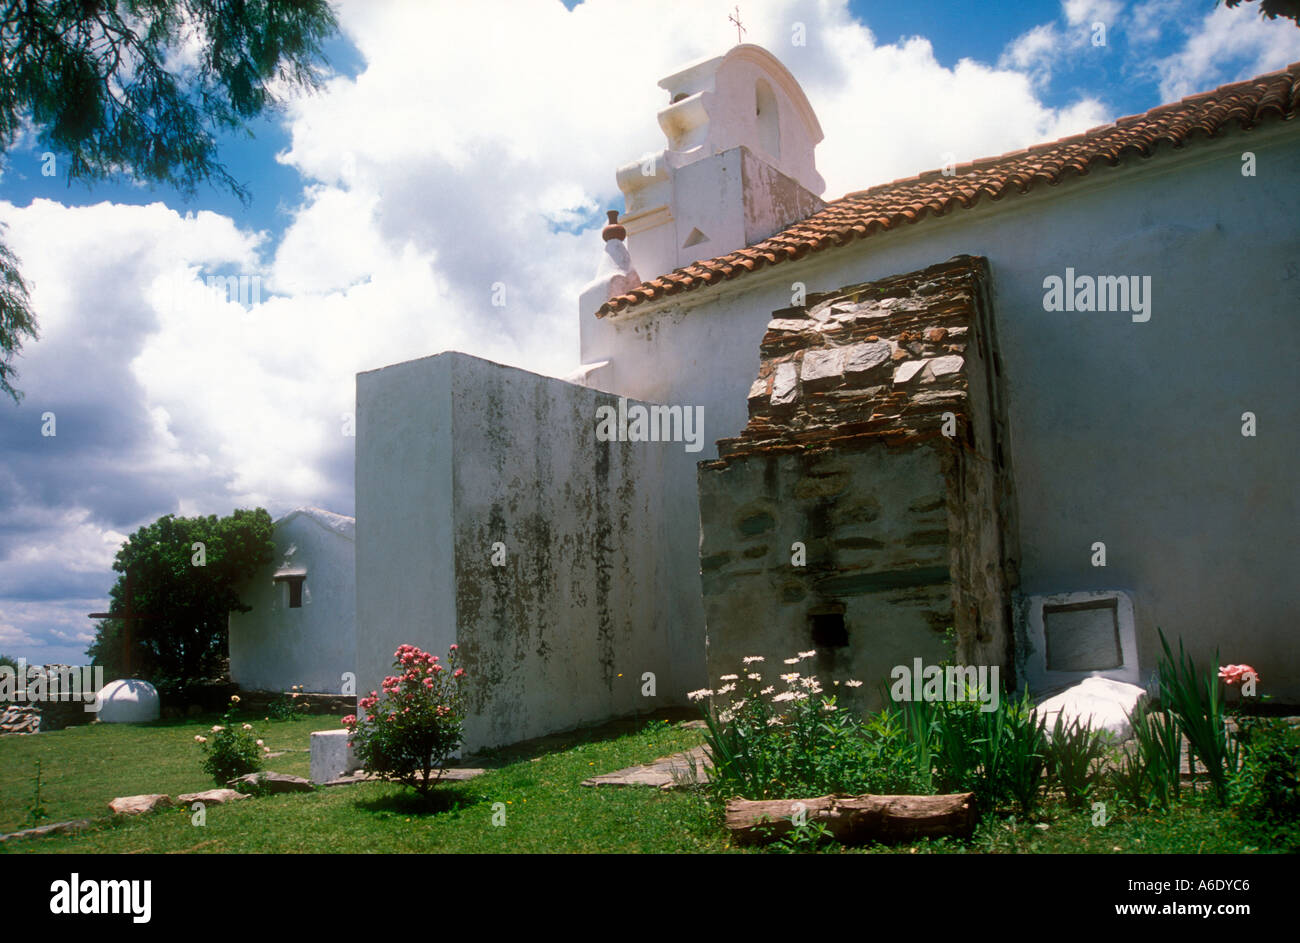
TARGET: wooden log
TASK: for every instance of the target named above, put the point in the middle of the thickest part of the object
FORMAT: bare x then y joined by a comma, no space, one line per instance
855,820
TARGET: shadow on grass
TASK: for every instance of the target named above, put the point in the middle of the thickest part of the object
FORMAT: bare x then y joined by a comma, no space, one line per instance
443,798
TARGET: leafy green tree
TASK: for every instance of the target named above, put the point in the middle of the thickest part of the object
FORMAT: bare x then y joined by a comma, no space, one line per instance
184,594
112,89
1272,9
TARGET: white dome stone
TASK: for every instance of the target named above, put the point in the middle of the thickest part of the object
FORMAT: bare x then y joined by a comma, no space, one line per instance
128,701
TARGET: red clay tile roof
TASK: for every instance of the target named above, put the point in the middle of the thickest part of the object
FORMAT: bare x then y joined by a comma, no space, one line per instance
890,205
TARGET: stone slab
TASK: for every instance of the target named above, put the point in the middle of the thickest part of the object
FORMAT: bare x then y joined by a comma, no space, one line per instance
667,772
138,805
211,797
54,828
273,782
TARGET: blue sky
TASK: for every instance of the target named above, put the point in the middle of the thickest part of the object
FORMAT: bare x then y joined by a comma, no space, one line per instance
457,146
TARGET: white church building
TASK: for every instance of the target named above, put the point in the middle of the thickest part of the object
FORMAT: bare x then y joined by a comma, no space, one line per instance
1041,398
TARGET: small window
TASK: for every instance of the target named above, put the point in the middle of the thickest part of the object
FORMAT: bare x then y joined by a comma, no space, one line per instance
293,578
828,630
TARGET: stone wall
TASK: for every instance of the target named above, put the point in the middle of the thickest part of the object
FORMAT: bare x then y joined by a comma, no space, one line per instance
876,441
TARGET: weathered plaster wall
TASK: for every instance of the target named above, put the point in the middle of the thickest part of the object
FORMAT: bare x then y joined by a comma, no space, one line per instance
1122,432
876,530
405,543
274,647
561,633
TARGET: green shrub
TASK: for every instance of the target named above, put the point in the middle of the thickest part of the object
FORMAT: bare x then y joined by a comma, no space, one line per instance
231,749
1148,774
766,744
998,754
288,706
1025,753
1196,702
1074,759
1266,788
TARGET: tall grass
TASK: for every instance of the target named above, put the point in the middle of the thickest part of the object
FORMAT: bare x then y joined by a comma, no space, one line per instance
1193,697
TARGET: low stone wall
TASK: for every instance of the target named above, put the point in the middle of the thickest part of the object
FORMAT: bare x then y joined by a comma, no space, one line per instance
26,715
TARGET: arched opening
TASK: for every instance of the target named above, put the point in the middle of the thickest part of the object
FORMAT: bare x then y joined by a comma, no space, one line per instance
769,124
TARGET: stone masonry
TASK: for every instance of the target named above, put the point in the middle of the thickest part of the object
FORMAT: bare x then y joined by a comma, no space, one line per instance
877,441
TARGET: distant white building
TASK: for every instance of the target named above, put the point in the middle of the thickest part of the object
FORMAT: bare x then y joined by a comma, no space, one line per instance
302,627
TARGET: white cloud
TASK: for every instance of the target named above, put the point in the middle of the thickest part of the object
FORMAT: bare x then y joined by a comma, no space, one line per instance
1227,45
1035,51
1087,12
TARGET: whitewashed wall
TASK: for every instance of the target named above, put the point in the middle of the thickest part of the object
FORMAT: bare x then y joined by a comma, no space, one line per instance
456,454
274,647
1122,432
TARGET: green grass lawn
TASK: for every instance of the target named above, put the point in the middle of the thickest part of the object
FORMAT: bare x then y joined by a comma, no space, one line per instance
546,808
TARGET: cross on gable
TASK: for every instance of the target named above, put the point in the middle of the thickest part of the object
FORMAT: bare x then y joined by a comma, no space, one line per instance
735,18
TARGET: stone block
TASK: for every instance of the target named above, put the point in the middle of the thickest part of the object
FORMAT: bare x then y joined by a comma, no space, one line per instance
822,367
907,371
331,757
862,358
785,385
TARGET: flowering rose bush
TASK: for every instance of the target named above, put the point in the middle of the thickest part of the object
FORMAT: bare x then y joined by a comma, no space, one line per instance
406,734
231,749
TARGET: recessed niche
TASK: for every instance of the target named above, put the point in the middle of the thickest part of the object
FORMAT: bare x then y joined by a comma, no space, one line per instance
1082,637
828,629
1072,636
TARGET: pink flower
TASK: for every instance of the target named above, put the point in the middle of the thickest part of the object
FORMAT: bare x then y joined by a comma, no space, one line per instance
458,672
349,720
1231,674
454,648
